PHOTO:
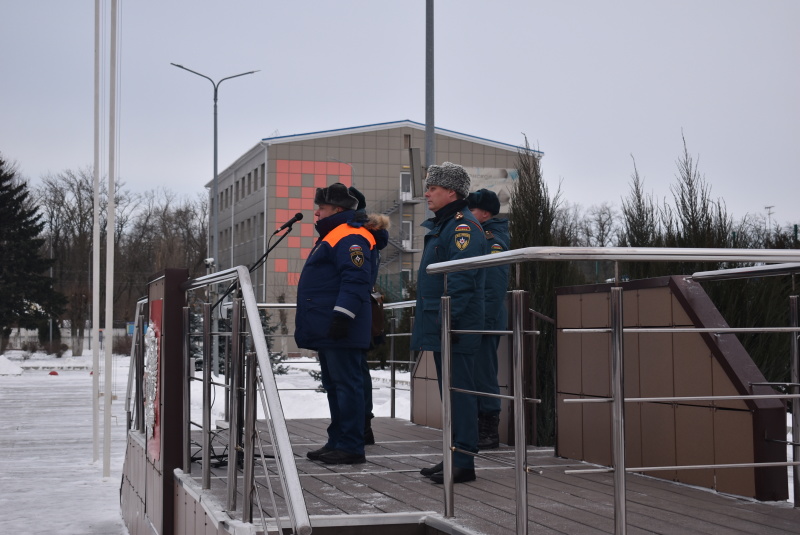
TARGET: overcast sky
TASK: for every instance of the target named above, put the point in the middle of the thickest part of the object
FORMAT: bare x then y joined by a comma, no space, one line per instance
589,82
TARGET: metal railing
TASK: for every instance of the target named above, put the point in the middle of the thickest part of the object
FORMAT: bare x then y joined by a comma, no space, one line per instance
248,377
617,399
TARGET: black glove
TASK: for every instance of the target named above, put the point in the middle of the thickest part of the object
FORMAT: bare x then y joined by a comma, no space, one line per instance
339,326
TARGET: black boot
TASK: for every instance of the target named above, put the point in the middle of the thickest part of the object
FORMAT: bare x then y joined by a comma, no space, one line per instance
488,437
369,436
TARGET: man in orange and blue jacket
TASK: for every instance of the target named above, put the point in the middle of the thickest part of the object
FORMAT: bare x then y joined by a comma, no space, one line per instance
334,317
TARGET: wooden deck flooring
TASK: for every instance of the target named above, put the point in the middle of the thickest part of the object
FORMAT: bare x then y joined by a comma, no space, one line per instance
557,502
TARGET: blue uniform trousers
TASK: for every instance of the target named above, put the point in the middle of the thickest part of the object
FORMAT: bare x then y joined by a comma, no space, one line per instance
486,374
343,380
464,406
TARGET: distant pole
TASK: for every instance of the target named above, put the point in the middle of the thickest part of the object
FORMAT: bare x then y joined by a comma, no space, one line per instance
215,202
96,246
769,218
430,125
430,134
110,225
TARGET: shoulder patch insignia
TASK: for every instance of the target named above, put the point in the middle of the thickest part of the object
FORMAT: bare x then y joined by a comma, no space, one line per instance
496,248
463,227
462,240
459,215
357,255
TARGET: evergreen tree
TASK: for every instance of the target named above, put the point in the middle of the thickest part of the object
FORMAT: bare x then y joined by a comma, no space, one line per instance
27,298
536,219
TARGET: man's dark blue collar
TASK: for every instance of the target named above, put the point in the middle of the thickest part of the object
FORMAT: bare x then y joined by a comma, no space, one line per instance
332,221
450,209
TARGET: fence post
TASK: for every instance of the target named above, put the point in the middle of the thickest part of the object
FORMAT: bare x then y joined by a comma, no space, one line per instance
447,428
207,341
520,442
618,411
795,378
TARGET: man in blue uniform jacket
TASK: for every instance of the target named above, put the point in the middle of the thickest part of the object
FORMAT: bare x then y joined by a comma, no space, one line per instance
485,206
334,317
453,234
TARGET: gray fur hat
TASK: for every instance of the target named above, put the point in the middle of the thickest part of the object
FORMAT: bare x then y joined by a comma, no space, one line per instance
337,195
450,176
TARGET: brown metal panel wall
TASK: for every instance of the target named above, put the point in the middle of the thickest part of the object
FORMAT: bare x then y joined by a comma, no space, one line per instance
569,428
730,446
597,432
658,438
694,441
596,364
659,434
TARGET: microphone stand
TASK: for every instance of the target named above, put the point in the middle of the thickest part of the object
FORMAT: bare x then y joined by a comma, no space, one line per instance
255,265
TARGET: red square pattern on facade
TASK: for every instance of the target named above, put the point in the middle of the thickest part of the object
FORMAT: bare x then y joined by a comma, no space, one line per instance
281,265
292,279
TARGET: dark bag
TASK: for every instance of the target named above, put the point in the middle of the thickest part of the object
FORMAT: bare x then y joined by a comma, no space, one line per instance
378,334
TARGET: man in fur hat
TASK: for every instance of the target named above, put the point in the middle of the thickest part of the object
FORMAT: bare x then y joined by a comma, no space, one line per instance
334,317
453,234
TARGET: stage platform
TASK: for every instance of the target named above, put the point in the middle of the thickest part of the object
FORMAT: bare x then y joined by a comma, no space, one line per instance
389,490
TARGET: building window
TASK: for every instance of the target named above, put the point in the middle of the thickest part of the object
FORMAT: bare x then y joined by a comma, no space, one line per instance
407,234
406,192
406,141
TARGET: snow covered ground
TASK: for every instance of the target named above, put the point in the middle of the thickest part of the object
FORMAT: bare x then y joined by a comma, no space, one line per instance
48,481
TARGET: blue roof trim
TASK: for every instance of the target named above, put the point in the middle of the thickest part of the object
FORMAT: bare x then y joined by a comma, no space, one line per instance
390,123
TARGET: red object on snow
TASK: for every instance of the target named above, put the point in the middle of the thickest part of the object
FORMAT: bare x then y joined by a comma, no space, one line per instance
53,372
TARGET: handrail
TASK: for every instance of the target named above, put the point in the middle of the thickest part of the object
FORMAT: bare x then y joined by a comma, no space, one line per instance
623,254
617,398
283,448
747,272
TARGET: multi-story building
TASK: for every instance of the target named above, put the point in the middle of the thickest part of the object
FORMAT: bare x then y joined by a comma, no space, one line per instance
278,178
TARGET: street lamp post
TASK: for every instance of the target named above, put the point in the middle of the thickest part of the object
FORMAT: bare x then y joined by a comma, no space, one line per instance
215,204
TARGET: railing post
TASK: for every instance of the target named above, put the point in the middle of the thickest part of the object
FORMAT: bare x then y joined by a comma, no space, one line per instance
520,448
187,410
795,372
618,412
393,382
249,433
235,389
207,341
447,428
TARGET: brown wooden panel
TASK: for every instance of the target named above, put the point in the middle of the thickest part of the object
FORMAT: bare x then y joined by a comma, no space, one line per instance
733,443
569,431
631,364
630,308
568,363
597,433
568,311
680,318
633,434
694,443
594,310
658,438
655,307
595,364
655,365
692,358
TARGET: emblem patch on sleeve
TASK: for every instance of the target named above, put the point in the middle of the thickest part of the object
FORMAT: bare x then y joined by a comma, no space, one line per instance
462,236
357,255
496,248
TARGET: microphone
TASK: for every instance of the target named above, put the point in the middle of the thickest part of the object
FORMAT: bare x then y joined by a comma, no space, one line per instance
297,217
